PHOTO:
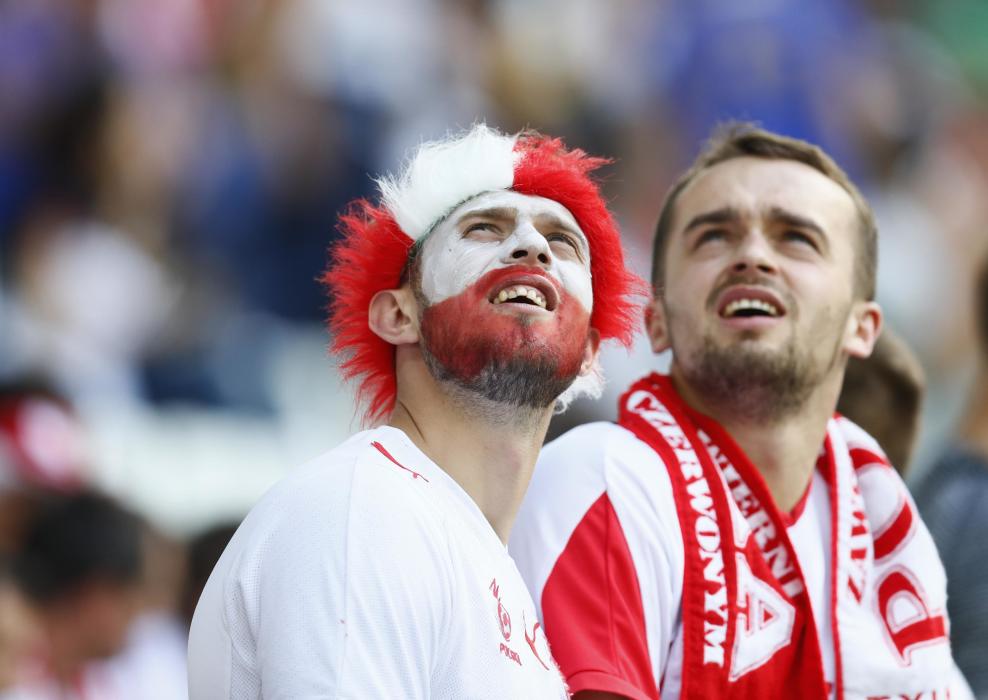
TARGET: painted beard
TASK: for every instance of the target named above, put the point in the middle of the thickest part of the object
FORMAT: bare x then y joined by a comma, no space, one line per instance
762,385
509,358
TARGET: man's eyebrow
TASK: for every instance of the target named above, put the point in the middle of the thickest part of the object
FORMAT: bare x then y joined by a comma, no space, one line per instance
553,221
792,219
717,216
778,214
494,213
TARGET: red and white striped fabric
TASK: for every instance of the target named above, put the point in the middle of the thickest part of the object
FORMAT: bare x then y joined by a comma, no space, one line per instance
748,602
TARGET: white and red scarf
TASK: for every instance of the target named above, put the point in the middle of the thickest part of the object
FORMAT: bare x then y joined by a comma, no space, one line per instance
748,626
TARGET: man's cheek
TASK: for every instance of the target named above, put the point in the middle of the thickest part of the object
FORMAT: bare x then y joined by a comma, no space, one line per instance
466,333
449,272
576,280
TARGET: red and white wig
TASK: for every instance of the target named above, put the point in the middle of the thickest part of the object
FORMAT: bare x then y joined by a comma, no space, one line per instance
376,239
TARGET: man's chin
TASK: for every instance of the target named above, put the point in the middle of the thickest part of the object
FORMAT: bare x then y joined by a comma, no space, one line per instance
469,343
509,380
756,379
749,343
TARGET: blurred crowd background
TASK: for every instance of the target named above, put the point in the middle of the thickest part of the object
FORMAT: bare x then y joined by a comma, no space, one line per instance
170,174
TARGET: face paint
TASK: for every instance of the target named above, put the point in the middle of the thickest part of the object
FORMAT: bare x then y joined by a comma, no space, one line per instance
506,291
511,352
499,229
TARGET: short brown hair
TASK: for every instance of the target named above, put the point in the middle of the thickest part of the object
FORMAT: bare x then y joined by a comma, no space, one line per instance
737,140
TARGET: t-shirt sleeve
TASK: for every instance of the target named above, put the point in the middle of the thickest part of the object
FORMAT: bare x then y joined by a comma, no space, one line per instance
599,513
352,593
593,613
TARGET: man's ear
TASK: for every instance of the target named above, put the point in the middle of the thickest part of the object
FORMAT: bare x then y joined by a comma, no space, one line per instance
656,325
864,325
590,352
393,316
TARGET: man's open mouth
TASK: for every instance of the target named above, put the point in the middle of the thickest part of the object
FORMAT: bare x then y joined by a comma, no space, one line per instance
746,308
750,303
520,294
531,291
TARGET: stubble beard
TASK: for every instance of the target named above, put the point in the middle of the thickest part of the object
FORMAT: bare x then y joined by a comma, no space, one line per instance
755,384
505,382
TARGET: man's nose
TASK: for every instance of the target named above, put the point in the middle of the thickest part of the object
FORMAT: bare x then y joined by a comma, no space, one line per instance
755,253
529,247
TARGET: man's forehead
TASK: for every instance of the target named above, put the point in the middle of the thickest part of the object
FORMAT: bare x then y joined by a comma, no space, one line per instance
757,186
517,205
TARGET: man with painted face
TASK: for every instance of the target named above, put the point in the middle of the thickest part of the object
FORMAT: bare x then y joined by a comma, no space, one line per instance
731,536
469,303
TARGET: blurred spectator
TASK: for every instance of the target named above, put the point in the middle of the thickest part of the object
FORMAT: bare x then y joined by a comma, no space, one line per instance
203,552
954,502
41,441
768,62
78,566
884,395
53,84
18,632
41,461
961,25
40,454
84,304
153,658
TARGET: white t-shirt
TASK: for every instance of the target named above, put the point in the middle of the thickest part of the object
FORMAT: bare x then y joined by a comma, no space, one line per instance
600,486
368,573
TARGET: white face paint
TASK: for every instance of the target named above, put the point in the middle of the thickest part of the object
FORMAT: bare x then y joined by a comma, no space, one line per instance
502,229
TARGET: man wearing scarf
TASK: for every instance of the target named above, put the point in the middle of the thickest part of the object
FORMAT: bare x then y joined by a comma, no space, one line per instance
731,536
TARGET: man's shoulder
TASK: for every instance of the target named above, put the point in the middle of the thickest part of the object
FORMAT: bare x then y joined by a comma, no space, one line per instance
344,495
599,496
601,456
375,467
597,467
594,445
348,527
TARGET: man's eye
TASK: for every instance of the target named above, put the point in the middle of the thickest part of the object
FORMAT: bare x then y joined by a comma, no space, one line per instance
563,238
796,236
711,235
481,227
566,246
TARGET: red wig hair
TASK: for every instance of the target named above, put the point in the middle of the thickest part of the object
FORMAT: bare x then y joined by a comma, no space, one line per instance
373,250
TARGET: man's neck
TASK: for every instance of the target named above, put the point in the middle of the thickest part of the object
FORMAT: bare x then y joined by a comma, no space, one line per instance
489,450
784,450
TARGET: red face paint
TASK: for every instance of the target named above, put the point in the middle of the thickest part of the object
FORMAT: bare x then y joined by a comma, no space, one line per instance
468,332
